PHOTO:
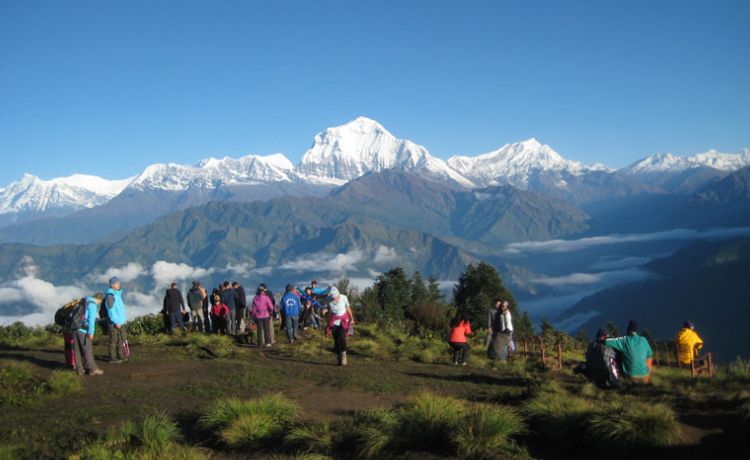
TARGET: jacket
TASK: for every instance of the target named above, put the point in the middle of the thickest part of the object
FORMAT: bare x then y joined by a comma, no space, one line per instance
195,298
89,322
290,304
688,342
115,307
634,351
262,307
229,298
459,333
241,297
173,301
219,310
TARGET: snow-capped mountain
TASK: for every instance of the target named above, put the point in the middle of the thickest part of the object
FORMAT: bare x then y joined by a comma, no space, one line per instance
346,152
666,162
517,164
214,173
32,197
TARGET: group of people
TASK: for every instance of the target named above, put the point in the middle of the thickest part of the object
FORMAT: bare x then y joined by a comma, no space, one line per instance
610,359
500,337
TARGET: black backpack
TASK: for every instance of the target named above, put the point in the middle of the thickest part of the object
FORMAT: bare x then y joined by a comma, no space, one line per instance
70,317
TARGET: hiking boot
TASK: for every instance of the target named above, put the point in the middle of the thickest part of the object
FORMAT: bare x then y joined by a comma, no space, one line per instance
115,361
96,372
343,358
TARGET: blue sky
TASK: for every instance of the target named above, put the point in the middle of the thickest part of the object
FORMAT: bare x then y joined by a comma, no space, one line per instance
108,87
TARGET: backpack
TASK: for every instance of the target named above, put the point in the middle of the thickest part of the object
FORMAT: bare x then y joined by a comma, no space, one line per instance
194,298
70,317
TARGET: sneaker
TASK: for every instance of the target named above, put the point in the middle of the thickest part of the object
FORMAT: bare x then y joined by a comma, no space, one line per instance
455,363
115,361
268,345
96,372
463,364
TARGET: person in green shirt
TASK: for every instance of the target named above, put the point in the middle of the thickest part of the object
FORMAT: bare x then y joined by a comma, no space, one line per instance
635,353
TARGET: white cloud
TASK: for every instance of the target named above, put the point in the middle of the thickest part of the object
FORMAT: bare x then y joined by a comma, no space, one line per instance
580,279
340,263
585,243
573,278
45,296
385,255
126,274
164,273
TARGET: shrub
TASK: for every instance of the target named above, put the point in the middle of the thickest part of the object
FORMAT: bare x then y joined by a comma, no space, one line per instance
63,382
738,369
315,437
21,336
430,420
633,425
145,325
373,432
486,432
250,423
207,346
557,417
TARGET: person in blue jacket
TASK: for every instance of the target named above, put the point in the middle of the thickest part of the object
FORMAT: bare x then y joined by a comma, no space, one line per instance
116,319
291,306
83,339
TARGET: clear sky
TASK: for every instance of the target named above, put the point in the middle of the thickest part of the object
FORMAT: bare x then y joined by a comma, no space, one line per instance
108,87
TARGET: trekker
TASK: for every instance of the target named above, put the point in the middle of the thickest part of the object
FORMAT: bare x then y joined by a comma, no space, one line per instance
508,325
291,308
118,342
340,320
83,344
635,353
275,316
460,328
601,363
315,305
229,298
195,302
174,306
318,291
688,343
262,310
219,316
206,307
498,337
241,306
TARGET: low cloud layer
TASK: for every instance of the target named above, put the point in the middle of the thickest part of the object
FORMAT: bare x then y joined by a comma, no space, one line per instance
556,246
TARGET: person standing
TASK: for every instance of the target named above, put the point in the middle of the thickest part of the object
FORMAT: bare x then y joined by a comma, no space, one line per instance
241,306
219,316
206,309
229,298
262,310
339,322
507,325
291,308
116,318
274,316
497,338
83,338
195,302
174,306
460,329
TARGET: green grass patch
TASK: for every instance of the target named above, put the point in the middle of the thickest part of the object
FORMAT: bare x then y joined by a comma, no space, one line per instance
18,384
206,346
65,382
372,433
487,430
633,425
18,335
311,438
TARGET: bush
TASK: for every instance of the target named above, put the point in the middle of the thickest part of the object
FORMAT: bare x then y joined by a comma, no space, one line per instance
18,384
373,432
487,431
145,325
633,425
558,417
738,369
430,420
63,382
21,336
250,423
207,346
311,438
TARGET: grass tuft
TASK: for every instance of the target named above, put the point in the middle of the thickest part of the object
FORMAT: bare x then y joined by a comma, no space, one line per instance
63,382
486,432
315,437
373,432
429,421
632,426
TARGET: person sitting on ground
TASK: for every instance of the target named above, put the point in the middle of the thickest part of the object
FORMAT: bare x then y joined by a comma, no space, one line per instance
601,363
635,353
219,316
460,328
83,343
261,311
688,343
339,322
174,306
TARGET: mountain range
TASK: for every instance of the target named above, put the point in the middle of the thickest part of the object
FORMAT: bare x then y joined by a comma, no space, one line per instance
82,209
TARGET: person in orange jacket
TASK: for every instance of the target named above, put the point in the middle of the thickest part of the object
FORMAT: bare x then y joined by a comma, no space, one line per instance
688,343
460,328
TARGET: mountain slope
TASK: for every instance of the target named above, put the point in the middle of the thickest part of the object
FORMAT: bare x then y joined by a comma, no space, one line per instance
705,283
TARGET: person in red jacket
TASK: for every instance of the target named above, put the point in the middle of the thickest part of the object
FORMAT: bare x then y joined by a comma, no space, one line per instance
219,315
460,328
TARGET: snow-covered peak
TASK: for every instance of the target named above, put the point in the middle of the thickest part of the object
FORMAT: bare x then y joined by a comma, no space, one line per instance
666,162
212,173
516,163
345,152
32,195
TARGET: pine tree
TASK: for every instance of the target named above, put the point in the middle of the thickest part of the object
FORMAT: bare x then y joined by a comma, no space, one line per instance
434,290
476,291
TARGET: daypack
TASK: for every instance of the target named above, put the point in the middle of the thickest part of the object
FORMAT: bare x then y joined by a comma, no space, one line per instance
70,317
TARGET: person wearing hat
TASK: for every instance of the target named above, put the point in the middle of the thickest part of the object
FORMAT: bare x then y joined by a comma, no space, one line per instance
116,319
83,343
291,308
635,353
601,362
688,343
339,322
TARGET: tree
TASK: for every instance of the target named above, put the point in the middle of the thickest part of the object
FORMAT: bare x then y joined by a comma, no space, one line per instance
476,291
419,293
393,290
433,289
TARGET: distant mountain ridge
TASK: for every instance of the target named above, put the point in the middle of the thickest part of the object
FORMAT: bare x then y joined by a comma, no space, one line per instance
337,156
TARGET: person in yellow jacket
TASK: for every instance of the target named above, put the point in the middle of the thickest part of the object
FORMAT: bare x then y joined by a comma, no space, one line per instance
688,343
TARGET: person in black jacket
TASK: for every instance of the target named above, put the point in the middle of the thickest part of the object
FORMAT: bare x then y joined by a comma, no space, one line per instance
241,306
174,306
229,298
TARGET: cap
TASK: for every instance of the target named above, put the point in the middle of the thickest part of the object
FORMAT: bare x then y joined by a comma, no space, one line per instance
334,292
114,280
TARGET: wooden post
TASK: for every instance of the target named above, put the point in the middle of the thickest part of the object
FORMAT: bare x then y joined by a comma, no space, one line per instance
541,347
525,347
710,358
559,356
